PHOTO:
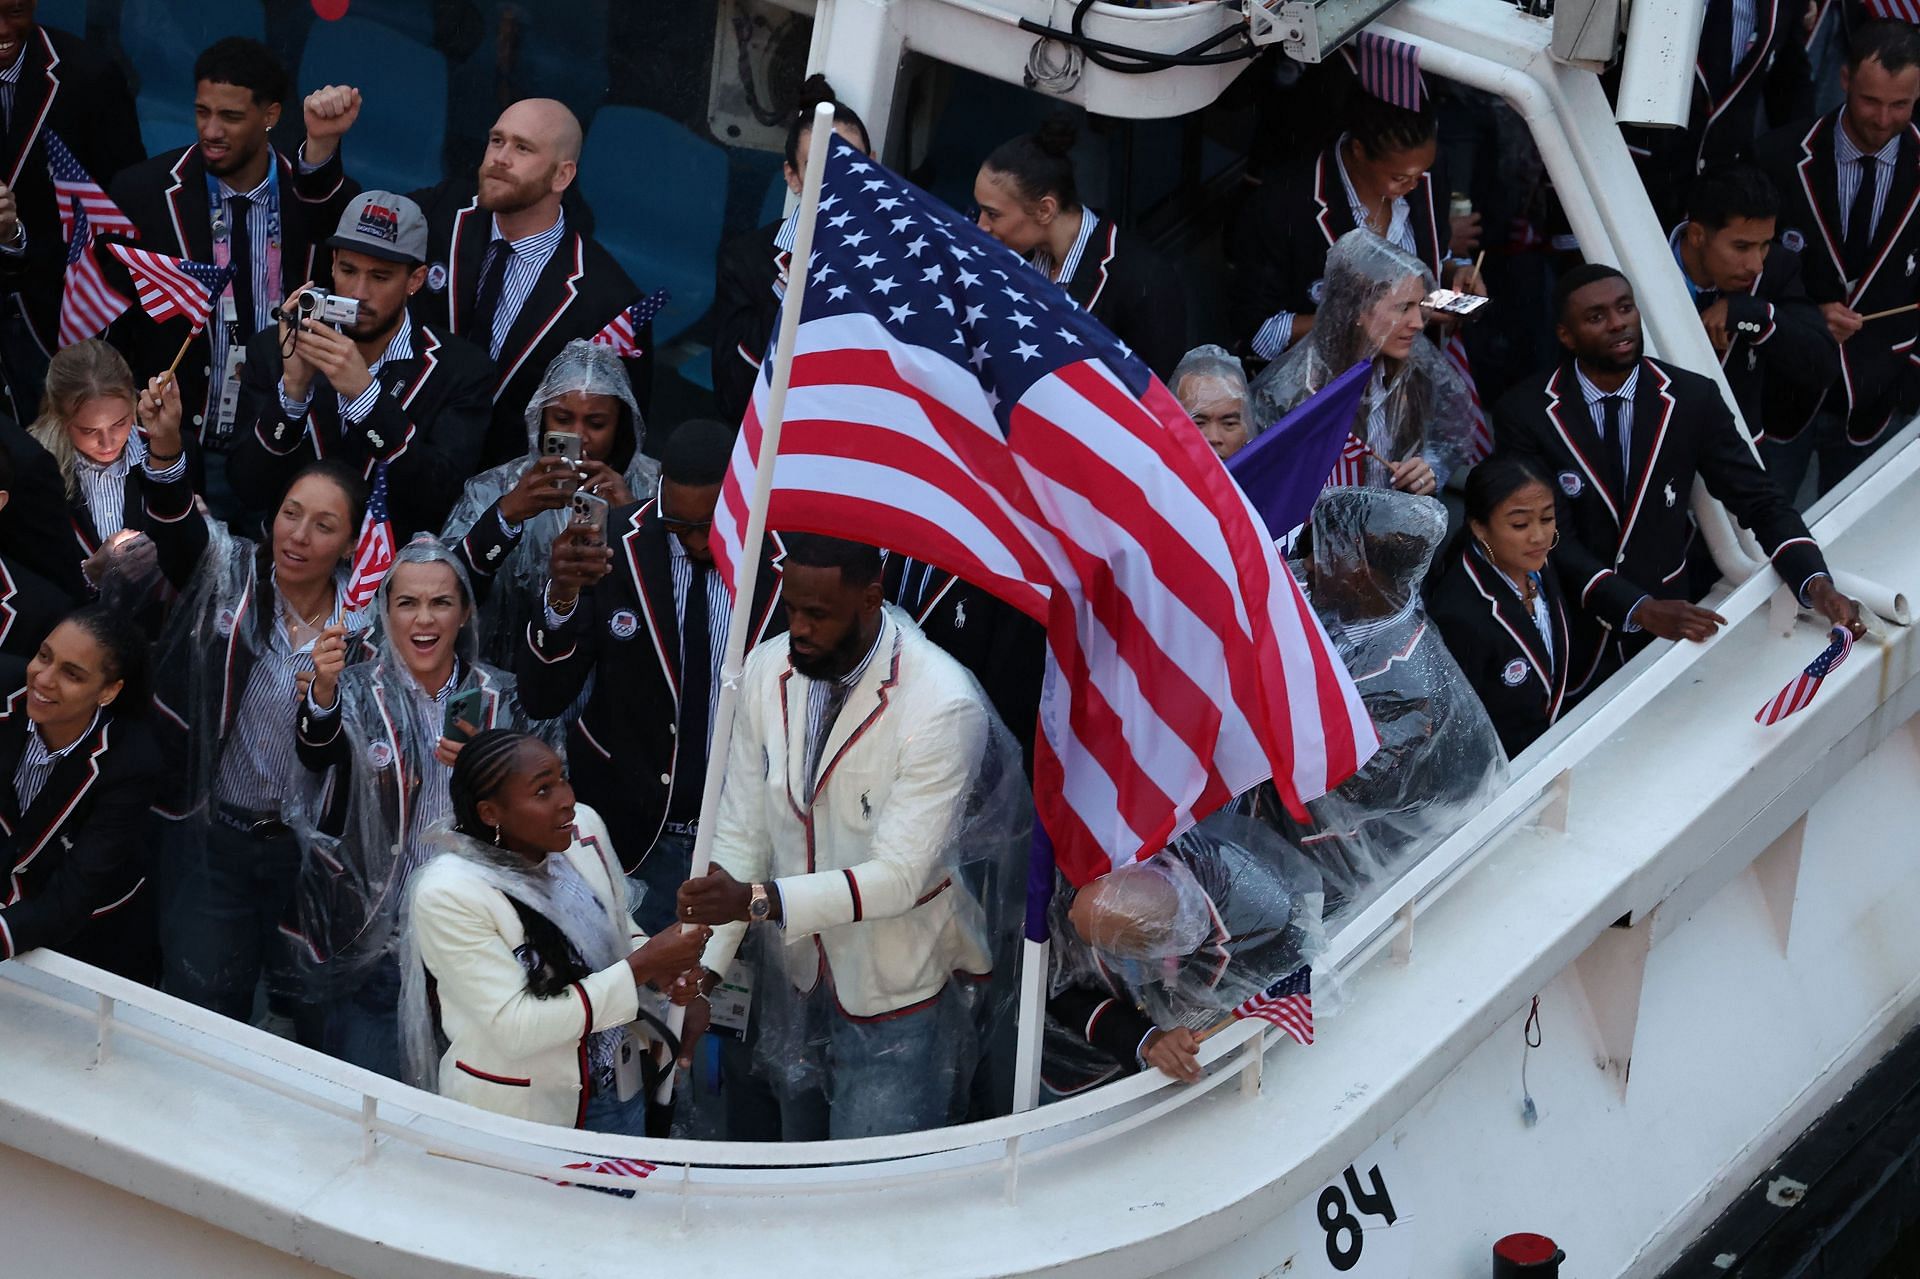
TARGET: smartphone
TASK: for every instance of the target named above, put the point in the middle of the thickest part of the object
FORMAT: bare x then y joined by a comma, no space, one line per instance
468,706
570,446
1448,302
589,511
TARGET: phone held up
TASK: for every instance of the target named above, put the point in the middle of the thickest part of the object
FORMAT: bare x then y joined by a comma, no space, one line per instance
468,706
589,512
569,445
1449,302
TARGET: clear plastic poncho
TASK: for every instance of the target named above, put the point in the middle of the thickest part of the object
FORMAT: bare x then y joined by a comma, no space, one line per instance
986,848
363,829
1439,760
1419,407
1217,374
1222,913
581,367
607,942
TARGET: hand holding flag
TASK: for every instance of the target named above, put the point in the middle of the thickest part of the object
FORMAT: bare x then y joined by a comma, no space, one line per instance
374,551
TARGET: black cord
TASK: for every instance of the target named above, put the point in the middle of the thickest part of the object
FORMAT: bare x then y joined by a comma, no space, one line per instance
743,36
1142,62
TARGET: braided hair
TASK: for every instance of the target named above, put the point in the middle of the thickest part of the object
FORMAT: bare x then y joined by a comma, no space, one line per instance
484,765
1381,128
125,651
1040,164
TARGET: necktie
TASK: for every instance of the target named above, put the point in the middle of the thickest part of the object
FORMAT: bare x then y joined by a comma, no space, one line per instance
240,248
1613,450
1716,42
1860,220
696,686
486,301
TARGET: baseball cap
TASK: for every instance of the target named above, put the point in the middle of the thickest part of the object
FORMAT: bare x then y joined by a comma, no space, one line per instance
381,224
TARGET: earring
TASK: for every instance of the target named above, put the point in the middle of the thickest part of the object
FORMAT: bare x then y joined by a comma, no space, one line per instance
1485,549
1556,540
496,834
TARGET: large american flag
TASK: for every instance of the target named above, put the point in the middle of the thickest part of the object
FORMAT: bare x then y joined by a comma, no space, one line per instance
1897,10
373,552
76,192
950,403
1288,1004
173,286
1801,688
622,332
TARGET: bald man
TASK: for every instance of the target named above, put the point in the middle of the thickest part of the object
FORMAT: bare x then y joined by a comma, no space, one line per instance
505,268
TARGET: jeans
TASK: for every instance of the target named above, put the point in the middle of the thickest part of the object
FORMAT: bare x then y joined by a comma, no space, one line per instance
221,904
892,1075
659,877
364,1027
607,1113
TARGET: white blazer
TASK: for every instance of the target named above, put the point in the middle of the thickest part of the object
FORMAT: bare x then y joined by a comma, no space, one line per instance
511,1052
867,895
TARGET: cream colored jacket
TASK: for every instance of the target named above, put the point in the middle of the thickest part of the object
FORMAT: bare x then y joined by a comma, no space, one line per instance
511,1052
866,891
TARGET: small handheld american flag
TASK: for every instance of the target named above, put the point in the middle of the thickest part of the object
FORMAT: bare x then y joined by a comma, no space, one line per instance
1288,1004
373,553
173,286
76,192
1897,10
1801,688
623,331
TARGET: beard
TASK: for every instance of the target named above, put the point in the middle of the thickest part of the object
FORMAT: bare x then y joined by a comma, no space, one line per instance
833,663
500,193
1607,360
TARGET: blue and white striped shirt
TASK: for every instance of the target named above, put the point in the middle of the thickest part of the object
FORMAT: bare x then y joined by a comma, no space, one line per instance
530,257
719,611
1846,164
104,488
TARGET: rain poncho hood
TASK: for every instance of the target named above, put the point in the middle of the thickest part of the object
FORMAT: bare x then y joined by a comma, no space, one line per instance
1439,759
1420,408
1215,363
360,826
581,367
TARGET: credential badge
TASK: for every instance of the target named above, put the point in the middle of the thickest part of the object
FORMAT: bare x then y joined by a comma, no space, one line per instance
1792,240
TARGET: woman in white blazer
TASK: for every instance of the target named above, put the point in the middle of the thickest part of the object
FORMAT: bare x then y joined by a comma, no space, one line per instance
523,969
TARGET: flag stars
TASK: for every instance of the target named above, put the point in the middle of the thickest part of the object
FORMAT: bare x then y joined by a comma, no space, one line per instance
975,314
839,220
979,356
820,276
829,202
869,261
914,247
837,293
874,184
933,274
883,286
887,205
1068,336
855,240
967,278
1021,321
1026,351
900,226
1010,291
902,313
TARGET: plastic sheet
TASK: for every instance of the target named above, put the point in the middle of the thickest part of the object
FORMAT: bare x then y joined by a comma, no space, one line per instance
1417,407
360,826
1222,913
580,367
1439,760
800,1038
599,943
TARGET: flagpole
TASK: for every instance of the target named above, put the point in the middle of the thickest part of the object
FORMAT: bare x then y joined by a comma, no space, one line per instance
746,569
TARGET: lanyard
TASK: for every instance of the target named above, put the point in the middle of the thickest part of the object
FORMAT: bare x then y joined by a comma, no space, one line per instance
223,229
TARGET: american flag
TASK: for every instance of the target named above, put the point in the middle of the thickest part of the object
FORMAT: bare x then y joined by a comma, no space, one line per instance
1482,430
77,192
1388,69
1801,688
623,330
373,553
950,403
636,1168
1897,10
88,304
1288,1004
1350,471
173,286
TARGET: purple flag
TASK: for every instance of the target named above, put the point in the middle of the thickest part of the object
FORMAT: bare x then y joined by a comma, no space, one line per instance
1284,468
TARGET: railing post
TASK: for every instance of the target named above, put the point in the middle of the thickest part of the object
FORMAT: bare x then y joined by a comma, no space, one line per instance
102,1028
369,1115
1012,1161
1251,1076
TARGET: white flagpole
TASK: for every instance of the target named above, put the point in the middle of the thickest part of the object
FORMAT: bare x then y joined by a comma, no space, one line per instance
746,568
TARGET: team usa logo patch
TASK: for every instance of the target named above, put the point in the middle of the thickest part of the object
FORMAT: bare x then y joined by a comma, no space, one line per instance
1514,673
224,622
379,754
379,222
623,624
1570,483
1792,240
437,277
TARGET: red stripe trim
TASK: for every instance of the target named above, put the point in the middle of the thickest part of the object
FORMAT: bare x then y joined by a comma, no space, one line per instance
1093,1018
505,1080
853,888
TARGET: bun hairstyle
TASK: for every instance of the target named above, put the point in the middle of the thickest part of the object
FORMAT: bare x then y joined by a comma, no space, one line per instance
1498,478
125,650
815,91
1040,164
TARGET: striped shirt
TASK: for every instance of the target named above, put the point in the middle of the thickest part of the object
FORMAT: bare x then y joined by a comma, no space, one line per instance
1745,24
266,289
1542,620
530,257
1846,163
356,409
1042,262
1597,406
719,611
104,488
432,804
258,756
36,762
10,84
1276,333
824,700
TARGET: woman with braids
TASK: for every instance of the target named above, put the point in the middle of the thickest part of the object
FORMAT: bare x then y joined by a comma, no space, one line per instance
752,269
234,661
376,744
85,772
522,969
1029,200
1379,175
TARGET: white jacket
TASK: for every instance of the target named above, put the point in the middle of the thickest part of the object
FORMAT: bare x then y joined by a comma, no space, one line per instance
866,889
511,1052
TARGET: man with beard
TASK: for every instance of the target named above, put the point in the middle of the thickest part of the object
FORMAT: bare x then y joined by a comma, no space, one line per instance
644,624
850,791
509,268
229,199
1624,436
385,391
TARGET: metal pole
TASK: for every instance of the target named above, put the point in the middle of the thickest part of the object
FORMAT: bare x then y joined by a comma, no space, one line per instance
746,569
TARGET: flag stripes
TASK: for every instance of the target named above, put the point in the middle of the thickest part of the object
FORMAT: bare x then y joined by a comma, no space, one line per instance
1799,691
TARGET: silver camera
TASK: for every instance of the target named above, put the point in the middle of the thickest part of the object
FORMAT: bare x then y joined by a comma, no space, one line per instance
327,308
